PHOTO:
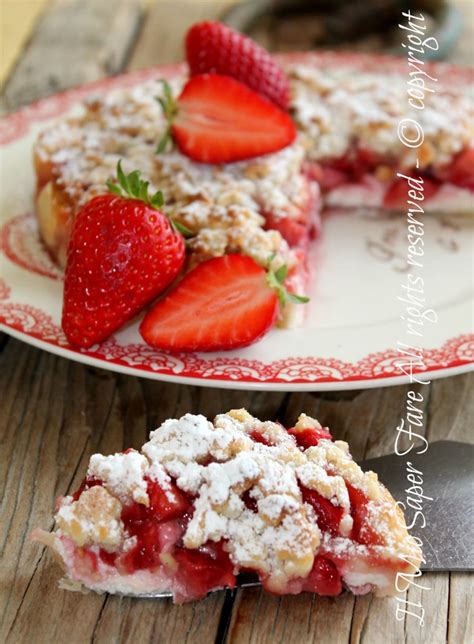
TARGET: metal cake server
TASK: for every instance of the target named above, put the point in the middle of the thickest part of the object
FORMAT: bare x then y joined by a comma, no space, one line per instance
447,470
448,478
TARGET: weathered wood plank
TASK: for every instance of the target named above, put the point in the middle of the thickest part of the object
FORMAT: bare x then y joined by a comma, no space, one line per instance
460,622
48,434
75,41
161,41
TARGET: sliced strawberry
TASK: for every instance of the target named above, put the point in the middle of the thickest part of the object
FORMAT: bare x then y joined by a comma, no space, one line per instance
220,120
328,516
397,194
310,436
224,303
214,47
324,578
123,252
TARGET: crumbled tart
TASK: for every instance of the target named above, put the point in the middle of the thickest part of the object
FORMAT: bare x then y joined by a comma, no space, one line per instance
203,502
347,109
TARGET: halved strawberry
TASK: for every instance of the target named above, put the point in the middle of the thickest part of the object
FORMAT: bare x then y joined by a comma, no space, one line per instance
224,303
214,47
219,120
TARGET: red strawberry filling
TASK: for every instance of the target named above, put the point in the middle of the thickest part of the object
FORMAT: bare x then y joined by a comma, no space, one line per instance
156,527
159,527
461,170
249,501
397,194
361,529
310,437
323,579
296,232
260,438
204,569
328,516
352,167
88,482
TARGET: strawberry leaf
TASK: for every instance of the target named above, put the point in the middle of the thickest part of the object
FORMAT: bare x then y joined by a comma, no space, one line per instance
134,183
276,279
181,228
132,186
143,191
122,179
170,109
113,187
297,299
281,274
157,200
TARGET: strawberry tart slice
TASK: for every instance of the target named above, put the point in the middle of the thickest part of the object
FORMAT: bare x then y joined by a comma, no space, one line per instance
204,501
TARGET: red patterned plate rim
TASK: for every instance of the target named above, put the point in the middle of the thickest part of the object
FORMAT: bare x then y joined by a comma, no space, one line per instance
236,376
34,326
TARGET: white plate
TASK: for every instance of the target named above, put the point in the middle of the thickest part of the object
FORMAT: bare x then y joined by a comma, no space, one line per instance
354,324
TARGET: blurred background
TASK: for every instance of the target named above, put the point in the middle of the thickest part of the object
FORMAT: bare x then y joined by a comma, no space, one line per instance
280,25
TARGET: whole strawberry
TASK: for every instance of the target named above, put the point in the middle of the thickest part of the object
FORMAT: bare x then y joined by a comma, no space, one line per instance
213,47
123,252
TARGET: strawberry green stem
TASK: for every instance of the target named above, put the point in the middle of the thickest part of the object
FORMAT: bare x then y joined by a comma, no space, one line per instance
170,109
276,279
133,187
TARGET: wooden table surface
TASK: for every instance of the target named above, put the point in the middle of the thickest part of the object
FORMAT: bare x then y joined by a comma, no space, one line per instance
56,413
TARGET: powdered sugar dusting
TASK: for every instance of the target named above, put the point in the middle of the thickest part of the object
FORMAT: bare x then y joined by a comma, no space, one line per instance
122,474
337,107
222,205
219,464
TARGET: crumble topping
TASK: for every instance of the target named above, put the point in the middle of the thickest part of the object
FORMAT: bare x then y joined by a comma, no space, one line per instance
122,475
224,206
94,519
219,464
336,108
